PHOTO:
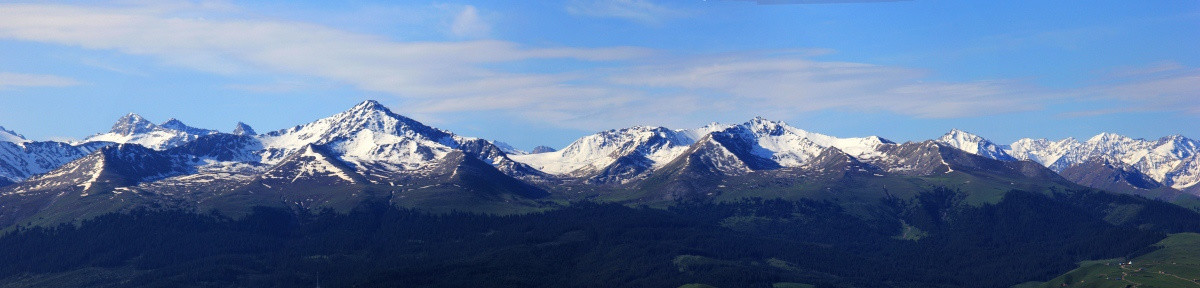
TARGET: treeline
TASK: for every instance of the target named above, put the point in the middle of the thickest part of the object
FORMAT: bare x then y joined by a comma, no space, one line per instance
750,243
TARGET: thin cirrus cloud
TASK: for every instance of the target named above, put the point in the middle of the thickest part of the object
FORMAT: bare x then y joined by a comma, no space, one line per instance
791,83
408,69
441,78
1166,86
792,2
636,10
468,23
12,80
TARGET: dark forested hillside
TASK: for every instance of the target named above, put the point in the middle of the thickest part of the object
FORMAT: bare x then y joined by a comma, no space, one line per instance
930,241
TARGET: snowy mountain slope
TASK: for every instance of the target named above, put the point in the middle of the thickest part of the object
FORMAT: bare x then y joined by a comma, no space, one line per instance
19,161
175,124
508,148
1041,150
312,165
594,153
913,158
370,136
791,146
788,146
487,152
221,147
709,156
1168,160
624,154
834,162
974,144
243,129
1110,174
368,131
133,129
10,136
103,170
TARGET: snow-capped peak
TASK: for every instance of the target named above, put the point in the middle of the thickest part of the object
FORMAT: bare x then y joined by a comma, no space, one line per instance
175,124
763,126
134,129
1169,160
542,149
131,124
243,129
1042,151
792,147
368,115
595,152
366,132
1178,145
508,148
10,136
768,139
1109,138
974,144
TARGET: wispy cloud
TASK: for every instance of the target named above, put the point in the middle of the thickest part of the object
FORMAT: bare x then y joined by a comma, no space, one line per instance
643,11
443,78
1166,86
468,24
9,80
230,46
790,2
790,83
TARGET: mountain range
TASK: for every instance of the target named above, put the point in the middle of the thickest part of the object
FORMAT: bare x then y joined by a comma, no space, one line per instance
370,153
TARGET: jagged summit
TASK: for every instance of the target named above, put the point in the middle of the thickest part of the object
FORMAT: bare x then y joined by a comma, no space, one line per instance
370,137
175,124
974,144
131,124
508,148
369,105
1106,137
10,136
542,149
366,116
593,153
135,129
759,143
243,129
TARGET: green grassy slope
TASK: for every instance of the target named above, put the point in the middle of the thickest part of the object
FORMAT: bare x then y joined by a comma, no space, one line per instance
1175,264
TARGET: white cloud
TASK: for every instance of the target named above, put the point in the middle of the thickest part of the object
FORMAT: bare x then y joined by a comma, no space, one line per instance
637,10
783,84
442,78
1166,86
469,24
406,69
8,80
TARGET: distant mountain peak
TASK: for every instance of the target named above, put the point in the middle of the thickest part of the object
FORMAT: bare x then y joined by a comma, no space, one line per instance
368,115
10,136
974,144
957,134
132,124
1109,137
508,148
542,149
370,105
243,129
175,124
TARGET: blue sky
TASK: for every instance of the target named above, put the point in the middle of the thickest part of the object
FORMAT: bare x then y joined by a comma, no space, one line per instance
546,72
